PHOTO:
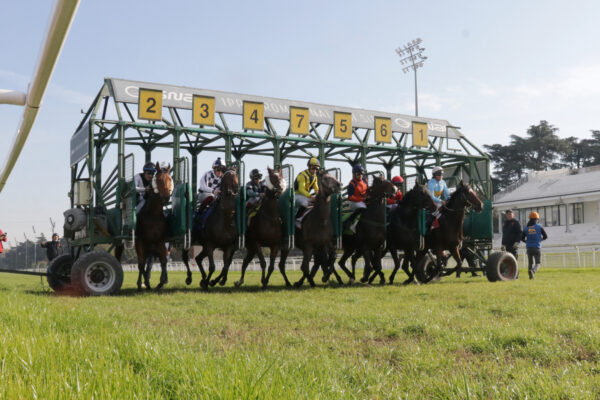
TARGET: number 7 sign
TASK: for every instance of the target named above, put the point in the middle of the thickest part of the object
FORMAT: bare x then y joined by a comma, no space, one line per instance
419,131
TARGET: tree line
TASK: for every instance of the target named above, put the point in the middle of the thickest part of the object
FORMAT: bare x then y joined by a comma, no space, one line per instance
540,150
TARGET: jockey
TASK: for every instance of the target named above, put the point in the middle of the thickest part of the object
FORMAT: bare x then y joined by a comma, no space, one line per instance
357,188
210,183
255,188
143,184
306,181
393,200
438,189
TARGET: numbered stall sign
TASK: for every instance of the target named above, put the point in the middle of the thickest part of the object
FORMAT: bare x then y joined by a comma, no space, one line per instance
342,125
383,130
150,104
203,110
299,120
420,134
254,116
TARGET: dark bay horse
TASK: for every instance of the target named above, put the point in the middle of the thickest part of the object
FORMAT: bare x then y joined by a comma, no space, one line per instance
218,231
449,234
315,235
370,233
402,232
265,229
151,228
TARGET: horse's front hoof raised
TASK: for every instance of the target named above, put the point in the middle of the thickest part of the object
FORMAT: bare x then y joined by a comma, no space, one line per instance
222,282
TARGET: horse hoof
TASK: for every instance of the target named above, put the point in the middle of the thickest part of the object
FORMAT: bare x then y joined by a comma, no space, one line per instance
364,279
204,284
351,281
298,284
287,284
312,283
222,282
324,279
188,280
159,287
237,283
212,283
382,282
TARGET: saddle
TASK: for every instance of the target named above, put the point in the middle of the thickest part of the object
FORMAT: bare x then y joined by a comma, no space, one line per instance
202,214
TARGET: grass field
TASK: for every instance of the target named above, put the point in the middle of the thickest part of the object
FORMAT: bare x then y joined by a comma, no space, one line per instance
459,338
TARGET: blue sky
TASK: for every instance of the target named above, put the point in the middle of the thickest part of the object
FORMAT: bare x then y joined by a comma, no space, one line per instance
494,68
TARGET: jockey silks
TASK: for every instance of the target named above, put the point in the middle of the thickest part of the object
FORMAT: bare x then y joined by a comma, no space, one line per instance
305,182
357,190
438,190
209,182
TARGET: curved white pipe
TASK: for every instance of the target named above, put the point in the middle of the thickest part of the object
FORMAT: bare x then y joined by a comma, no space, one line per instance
12,97
64,12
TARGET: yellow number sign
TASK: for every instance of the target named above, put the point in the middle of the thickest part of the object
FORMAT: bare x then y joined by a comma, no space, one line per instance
299,120
254,114
420,134
383,130
150,104
203,110
342,125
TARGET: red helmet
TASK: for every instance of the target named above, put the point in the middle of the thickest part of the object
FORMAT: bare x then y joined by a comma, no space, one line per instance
397,179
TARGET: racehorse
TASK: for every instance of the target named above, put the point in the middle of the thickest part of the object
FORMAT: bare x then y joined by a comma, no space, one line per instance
265,229
151,228
370,233
216,231
449,234
315,236
402,232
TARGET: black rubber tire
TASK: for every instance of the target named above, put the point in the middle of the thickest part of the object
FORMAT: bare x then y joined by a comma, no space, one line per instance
59,272
501,266
97,274
426,270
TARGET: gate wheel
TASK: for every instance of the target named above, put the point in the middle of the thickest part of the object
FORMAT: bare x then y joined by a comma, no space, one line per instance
97,274
426,270
59,272
501,266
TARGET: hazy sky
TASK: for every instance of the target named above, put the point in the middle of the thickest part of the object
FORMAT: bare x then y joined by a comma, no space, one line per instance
494,68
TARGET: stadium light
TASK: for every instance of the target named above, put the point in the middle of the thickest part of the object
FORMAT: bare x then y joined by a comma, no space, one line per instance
411,54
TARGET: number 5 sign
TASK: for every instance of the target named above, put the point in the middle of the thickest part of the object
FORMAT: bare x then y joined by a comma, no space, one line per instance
150,104
420,134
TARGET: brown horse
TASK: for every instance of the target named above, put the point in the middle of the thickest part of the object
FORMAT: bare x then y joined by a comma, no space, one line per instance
265,229
402,233
151,228
370,233
315,235
449,234
218,231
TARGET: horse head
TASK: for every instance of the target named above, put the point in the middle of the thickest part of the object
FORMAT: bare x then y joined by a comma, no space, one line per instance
465,194
328,185
381,188
162,183
420,197
275,182
230,183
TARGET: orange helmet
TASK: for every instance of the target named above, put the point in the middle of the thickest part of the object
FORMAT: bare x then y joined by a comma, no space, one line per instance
534,215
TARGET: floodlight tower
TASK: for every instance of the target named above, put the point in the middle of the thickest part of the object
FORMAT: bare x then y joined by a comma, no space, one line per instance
411,54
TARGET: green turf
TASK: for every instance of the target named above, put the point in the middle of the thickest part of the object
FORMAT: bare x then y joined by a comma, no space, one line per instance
459,338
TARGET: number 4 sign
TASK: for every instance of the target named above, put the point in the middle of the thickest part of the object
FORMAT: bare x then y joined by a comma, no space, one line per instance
254,116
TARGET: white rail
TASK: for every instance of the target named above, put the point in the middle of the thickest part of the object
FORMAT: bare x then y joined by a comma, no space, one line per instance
64,12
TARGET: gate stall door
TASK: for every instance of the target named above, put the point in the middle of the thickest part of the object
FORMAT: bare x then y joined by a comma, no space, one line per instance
336,209
128,197
240,202
287,203
180,218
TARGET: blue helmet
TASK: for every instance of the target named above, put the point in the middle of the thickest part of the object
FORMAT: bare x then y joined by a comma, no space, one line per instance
218,163
358,169
149,166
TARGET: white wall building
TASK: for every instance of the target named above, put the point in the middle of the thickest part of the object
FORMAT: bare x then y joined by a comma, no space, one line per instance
568,202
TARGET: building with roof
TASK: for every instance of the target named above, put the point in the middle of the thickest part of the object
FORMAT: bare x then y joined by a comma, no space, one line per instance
567,200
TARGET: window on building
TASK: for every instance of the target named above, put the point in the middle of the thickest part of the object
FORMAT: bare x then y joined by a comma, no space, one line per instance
578,213
562,214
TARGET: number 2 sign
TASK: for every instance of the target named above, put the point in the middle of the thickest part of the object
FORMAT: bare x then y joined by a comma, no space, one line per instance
150,104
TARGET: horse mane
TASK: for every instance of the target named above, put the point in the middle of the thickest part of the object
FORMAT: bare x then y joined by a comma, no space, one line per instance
455,194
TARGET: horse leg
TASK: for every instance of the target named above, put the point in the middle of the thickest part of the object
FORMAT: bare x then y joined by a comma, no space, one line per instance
319,259
367,271
227,259
148,271
199,258
263,266
162,256
141,264
342,263
119,252
185,258
274,251
456,255
409,259
247,259
331,264
211,266
282,258
306,256
394,253
378,266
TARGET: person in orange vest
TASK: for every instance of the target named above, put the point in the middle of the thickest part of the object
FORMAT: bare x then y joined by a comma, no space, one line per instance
357,188
393,200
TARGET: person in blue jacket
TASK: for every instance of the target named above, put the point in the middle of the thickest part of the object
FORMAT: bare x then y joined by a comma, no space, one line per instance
533,234
438,189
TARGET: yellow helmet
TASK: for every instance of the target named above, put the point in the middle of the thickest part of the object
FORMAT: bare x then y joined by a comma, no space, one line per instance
534,215
313,162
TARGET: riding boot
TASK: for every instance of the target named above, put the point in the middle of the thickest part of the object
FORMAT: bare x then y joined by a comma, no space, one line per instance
300,211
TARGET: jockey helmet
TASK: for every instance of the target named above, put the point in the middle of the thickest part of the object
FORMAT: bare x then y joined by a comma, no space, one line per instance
437,171
164,166
313,162
255,173
534,215
397,180
218,163
358,169
149,166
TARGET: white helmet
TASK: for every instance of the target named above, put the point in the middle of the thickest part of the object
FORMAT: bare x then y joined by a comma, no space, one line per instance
437,170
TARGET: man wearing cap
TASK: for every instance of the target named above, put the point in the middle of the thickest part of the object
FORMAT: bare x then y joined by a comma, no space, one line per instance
357,188
255,188
511,234
395,199
210,183
533,234
306,182
143,184
438,189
